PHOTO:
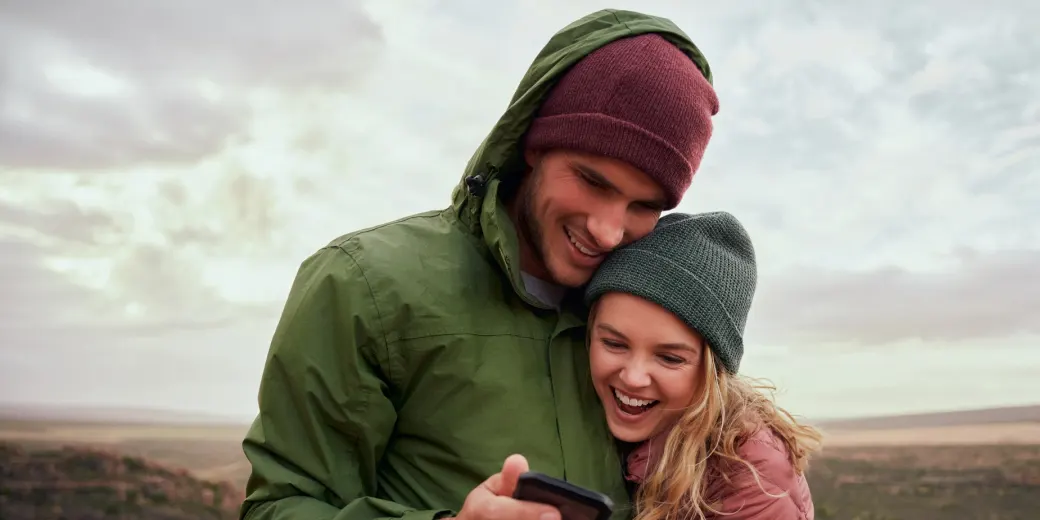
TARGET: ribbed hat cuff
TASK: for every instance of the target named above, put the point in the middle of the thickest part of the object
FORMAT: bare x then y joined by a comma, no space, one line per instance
605,135
654,278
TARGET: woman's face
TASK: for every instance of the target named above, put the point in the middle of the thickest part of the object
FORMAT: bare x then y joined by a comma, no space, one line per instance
645,365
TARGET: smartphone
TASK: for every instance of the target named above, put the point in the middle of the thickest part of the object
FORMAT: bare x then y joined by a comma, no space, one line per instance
574,502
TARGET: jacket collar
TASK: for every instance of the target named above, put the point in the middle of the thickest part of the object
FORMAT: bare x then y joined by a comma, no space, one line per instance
643,460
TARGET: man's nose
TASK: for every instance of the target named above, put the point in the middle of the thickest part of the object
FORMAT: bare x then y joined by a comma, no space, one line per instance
607,227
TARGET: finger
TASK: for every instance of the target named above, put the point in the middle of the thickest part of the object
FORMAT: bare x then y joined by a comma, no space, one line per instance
511,470
505,508
493,483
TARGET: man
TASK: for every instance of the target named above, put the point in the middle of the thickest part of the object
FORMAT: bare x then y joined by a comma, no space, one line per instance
413,358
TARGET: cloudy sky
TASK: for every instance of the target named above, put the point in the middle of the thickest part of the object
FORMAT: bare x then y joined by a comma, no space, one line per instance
165,167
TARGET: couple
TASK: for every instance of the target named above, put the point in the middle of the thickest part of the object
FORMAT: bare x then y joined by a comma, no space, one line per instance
549,319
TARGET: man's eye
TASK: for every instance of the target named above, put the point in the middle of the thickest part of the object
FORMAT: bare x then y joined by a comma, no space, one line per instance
591,182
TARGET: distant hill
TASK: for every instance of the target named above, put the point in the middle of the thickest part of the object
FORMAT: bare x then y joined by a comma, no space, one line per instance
142,416
1011,414
88,484
112,415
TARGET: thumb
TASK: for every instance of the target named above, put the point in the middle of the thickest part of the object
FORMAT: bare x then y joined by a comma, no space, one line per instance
511,470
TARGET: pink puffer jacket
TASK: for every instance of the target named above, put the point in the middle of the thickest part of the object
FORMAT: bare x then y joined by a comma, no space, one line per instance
743,498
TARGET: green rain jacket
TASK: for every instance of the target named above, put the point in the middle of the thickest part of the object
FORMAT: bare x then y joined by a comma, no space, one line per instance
409,360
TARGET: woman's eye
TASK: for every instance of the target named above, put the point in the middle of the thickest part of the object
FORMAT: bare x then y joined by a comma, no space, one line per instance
613,344
673,360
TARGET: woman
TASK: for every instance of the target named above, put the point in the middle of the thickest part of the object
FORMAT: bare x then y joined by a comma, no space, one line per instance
665,342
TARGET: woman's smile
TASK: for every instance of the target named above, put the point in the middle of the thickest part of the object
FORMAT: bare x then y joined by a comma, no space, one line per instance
631,405
643,363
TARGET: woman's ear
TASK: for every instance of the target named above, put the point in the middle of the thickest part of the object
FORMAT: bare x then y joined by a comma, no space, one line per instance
590,323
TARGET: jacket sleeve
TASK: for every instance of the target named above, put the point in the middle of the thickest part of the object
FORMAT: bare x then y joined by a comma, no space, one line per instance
752,503
325,417
782,495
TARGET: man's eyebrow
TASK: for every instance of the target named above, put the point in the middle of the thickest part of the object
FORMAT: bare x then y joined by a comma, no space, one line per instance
596,176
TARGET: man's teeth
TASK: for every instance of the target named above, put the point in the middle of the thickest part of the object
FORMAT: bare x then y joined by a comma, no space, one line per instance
580,247
629,400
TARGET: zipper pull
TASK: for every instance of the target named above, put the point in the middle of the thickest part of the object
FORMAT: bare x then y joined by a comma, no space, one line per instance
476,184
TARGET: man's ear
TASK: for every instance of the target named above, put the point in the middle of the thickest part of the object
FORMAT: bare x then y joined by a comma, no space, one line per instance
532,157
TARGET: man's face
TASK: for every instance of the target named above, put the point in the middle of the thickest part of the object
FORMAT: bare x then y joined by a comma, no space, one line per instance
574,208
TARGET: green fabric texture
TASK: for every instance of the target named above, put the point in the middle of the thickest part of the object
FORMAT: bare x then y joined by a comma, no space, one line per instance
699,267
409,361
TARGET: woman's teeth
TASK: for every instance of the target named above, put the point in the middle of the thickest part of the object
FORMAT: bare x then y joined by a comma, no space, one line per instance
631,401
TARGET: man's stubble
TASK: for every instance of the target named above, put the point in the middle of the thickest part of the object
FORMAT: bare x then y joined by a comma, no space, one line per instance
529,229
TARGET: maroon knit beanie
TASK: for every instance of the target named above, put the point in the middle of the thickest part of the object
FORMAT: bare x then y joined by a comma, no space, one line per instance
637,99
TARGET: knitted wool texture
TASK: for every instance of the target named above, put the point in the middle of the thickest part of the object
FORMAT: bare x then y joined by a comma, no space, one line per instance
638,99
700,267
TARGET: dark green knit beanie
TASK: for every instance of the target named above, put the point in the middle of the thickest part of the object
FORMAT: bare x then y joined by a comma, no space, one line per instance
700,267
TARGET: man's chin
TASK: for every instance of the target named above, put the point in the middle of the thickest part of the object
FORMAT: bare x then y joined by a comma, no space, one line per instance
571,277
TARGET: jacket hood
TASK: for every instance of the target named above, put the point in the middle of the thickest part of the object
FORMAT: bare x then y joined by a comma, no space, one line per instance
474,198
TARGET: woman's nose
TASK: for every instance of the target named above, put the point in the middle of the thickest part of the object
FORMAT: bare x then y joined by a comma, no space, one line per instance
635,375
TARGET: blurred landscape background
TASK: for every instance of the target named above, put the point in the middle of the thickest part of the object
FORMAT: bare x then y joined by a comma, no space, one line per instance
166,166
972,465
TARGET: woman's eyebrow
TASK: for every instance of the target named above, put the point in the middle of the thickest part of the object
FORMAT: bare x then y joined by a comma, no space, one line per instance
611,330
678,346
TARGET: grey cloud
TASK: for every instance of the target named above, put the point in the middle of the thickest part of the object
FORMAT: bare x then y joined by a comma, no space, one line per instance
144,275
156,277
173,192
57,339
168,287
41,306
215,370
251,207
160,279
241,215
162,51
988,295
304,43
63,220
57,131
36,302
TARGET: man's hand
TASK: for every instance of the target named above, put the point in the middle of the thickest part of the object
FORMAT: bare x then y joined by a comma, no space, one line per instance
493,499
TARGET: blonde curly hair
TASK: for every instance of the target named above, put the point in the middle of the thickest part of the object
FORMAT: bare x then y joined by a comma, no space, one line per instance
706,438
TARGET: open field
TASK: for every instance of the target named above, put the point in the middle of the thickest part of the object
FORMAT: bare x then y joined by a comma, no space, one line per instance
998,426
91,484
926,468
211,452
975,482
962,435
987,416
